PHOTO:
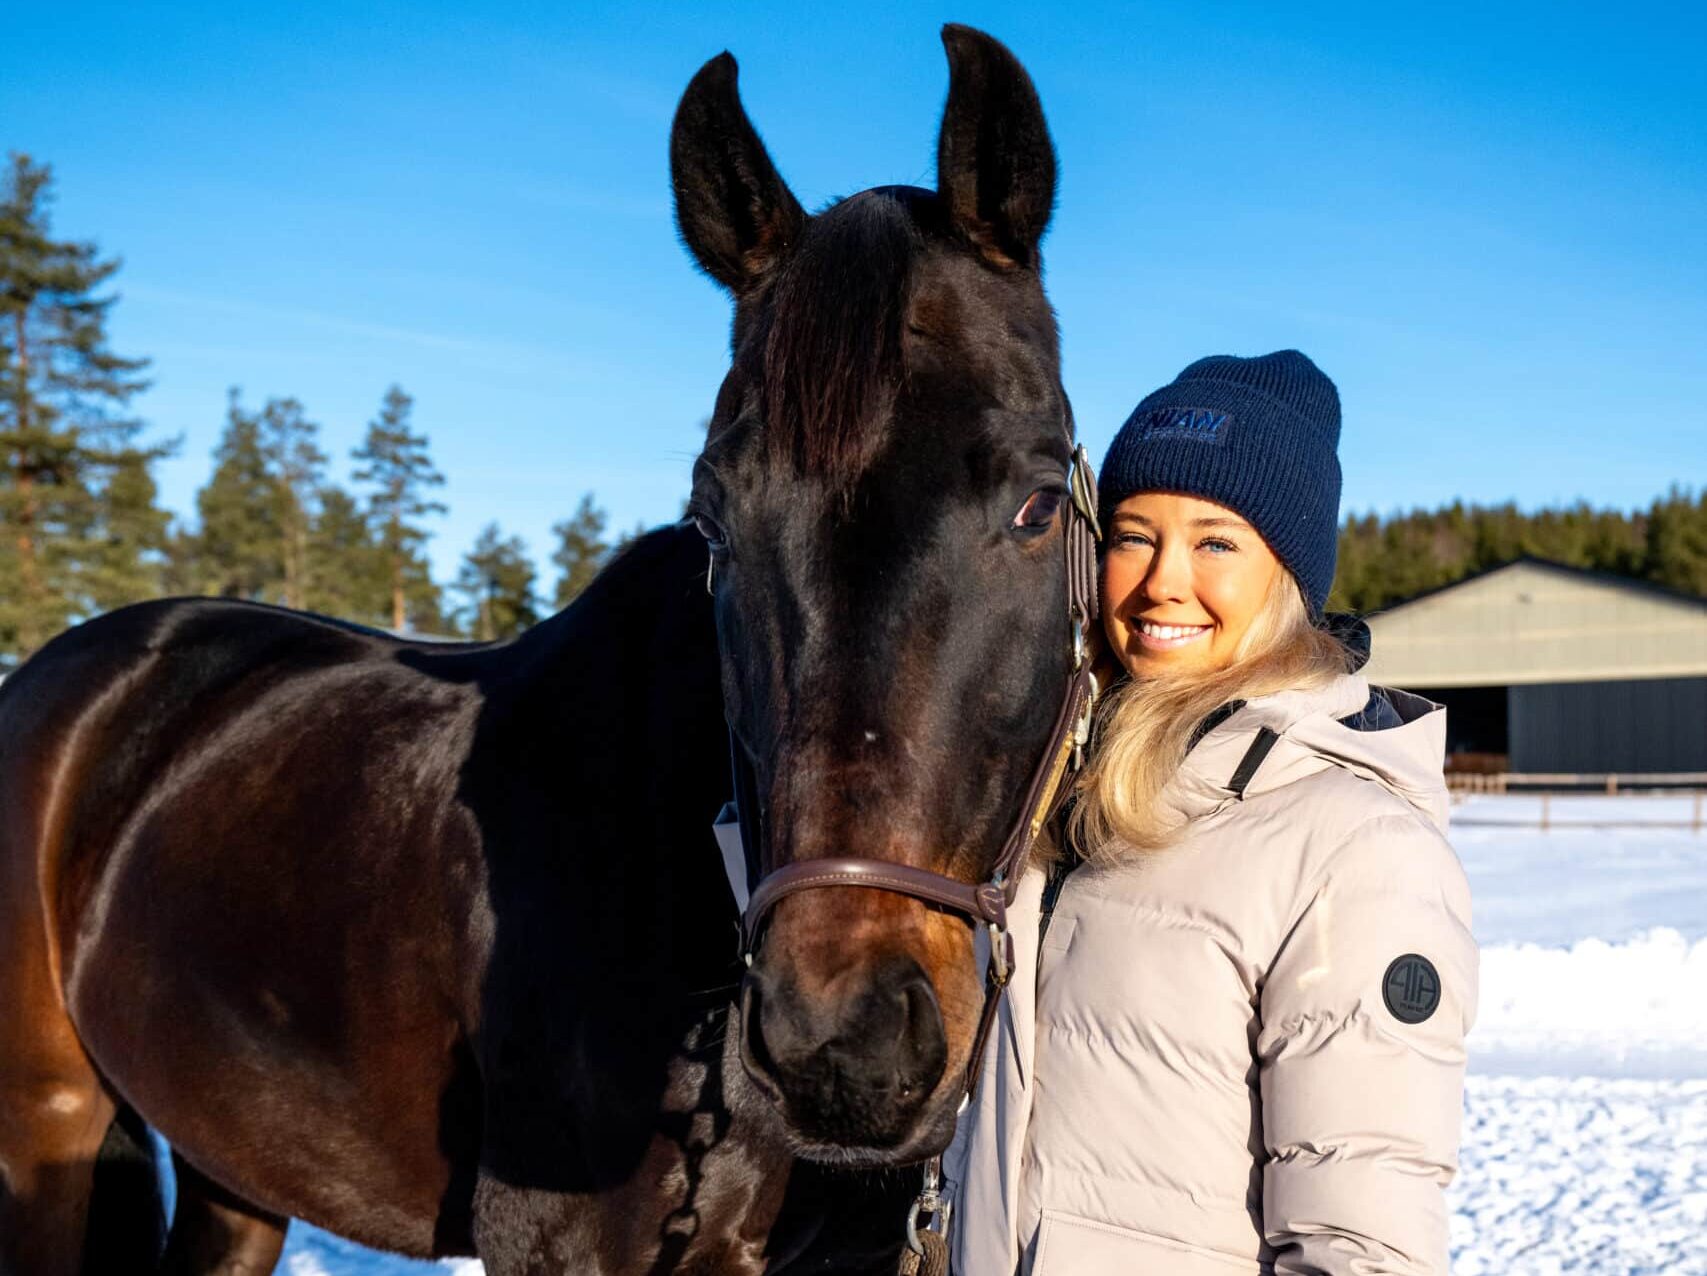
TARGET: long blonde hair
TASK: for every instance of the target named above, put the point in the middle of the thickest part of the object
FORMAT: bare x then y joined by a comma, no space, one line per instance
1145,728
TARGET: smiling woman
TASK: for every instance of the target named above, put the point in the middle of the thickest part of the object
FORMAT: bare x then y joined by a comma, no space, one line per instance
1222,490
1236,1040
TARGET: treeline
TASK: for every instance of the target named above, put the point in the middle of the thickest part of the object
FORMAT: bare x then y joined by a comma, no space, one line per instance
271,528
1386,560
82,530
81,527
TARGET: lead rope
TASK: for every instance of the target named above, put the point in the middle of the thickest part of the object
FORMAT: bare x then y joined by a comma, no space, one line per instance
930,1260
926,1253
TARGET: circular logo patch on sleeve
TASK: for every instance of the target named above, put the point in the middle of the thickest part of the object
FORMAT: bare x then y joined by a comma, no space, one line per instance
1411,988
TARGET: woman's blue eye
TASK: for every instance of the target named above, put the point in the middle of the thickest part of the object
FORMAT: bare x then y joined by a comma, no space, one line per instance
1219,546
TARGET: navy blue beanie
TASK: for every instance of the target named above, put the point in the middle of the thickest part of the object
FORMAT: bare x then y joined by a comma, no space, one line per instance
1260,436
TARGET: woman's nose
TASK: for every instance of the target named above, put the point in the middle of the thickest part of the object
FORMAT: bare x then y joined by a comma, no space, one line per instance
1169,577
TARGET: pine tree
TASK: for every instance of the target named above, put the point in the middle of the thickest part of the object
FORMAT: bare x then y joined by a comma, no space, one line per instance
72,537
237,551
348,575
125,559
181,571
397,465
581,550
295,464
424,604
1676,542
497,578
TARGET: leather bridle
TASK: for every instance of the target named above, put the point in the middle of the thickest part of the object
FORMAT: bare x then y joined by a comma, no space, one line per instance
982,903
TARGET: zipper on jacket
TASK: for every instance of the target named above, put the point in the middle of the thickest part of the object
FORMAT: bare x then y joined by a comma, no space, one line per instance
1051,892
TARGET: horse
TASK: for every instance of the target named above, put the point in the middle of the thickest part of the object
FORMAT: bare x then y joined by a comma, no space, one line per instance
430,945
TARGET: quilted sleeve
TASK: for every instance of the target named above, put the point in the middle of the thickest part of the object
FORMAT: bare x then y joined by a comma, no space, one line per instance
1361,1057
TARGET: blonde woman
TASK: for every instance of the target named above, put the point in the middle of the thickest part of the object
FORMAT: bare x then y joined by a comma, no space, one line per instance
1243,1048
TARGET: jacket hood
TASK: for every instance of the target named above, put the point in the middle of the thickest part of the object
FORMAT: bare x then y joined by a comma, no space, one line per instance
1391,737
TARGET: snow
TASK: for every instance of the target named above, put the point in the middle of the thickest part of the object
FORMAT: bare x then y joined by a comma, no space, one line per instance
1585,1127
311,1252
1573,882
1585,1124
1596,1009
314,1253
1581,1175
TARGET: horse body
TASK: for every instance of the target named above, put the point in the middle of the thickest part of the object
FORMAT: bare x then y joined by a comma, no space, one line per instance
355,922
225,914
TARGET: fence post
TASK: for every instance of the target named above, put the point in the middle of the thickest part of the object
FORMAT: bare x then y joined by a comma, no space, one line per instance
1695,826
1612,785
1544,797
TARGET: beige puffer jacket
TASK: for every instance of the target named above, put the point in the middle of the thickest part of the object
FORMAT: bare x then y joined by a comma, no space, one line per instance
1244,1053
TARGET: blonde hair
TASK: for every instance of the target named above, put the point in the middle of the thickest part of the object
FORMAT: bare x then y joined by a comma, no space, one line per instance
1146,727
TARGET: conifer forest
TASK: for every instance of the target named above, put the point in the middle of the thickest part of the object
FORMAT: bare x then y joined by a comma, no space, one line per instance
277,520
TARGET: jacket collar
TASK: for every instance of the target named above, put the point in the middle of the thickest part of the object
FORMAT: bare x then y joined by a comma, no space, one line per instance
1277,740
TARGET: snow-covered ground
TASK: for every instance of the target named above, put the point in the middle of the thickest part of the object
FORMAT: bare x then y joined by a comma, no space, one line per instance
1585,1127
1582,1174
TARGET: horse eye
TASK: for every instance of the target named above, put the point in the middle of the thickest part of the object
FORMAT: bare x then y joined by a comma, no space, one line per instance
1039,509
714,535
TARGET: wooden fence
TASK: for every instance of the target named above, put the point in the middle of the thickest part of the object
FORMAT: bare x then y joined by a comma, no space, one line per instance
1562,781
1564,787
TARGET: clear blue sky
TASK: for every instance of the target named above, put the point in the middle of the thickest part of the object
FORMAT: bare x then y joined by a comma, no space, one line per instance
1488,222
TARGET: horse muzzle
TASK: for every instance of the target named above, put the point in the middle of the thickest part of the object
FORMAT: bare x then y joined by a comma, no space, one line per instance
853,1066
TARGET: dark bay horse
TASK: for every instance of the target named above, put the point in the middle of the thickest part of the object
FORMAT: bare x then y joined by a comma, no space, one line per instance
431,945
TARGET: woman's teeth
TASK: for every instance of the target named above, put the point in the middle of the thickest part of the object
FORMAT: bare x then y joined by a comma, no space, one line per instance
1170,635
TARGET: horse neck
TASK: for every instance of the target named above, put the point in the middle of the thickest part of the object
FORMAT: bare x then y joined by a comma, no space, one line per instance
641,634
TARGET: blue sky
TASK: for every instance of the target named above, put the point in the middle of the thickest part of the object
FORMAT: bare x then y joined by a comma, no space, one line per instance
1487,222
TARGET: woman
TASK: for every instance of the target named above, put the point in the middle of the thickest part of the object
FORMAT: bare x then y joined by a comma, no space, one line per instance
1243,1050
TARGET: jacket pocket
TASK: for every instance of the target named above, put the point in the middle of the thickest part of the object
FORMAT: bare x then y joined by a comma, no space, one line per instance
1072,1246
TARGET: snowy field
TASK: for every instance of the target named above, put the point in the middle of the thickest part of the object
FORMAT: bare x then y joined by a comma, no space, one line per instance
1585,1126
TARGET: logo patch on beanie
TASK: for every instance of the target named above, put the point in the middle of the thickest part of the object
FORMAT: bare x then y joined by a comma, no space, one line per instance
1205,425
1411,988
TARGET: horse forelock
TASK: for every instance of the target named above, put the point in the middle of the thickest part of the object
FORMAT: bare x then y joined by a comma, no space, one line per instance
833,350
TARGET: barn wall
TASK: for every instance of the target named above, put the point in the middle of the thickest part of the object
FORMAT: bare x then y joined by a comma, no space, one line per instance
1657,724
1534,623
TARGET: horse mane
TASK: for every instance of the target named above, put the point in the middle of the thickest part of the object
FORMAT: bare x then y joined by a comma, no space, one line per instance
833,357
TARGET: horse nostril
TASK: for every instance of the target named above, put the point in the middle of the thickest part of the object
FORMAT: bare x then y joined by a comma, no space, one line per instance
922,1051
756,1057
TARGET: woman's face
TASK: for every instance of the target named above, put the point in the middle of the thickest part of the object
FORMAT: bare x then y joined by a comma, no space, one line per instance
1182,580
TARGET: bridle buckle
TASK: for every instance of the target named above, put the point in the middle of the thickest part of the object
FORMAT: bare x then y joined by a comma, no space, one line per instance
1001,956
1082,487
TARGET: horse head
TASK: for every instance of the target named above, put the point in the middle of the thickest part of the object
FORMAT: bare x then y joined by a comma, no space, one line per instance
884,491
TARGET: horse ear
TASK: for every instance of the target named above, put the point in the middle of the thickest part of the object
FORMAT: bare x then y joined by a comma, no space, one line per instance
995,164
736,214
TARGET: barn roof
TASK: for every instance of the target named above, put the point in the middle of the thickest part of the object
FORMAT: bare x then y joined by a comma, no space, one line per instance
1534,621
